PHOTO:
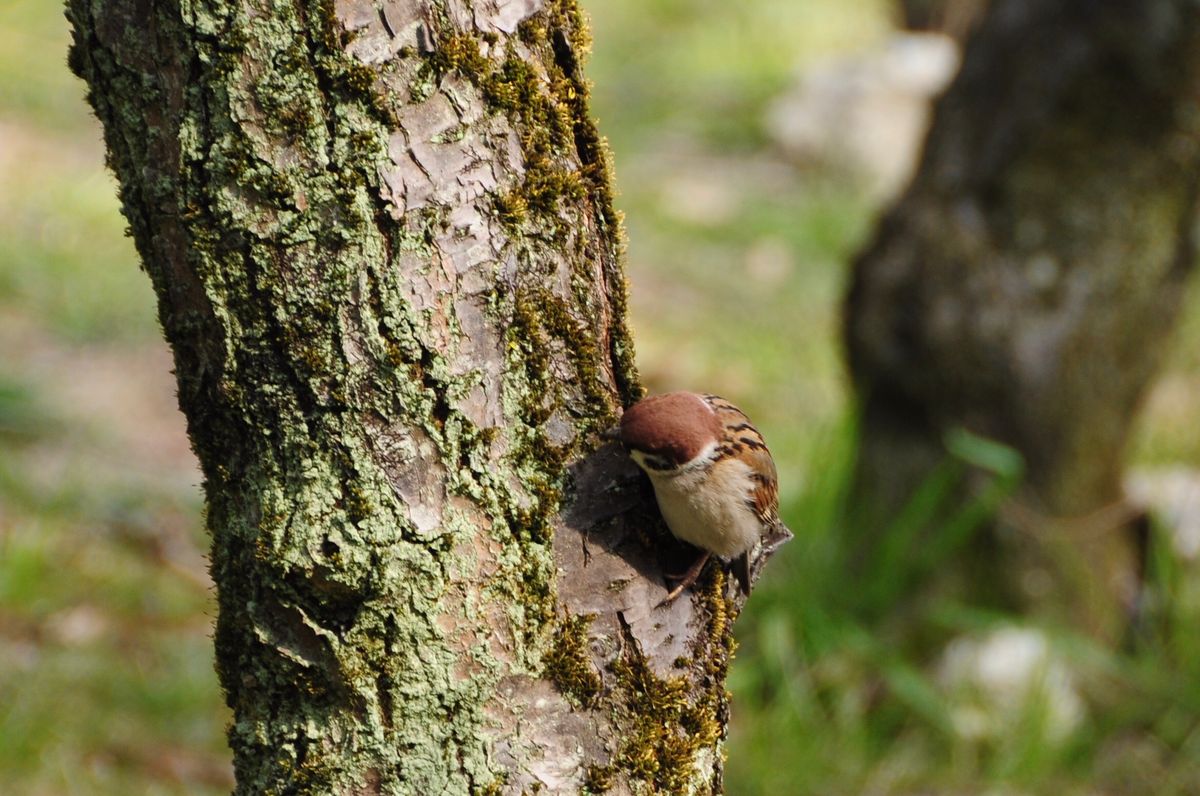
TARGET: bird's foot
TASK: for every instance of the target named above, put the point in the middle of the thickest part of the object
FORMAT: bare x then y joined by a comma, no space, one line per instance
686,579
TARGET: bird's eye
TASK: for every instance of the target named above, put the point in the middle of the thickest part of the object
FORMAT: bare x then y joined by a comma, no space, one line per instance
657,463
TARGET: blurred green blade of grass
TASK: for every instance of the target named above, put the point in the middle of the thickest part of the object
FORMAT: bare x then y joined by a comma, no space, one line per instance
913,690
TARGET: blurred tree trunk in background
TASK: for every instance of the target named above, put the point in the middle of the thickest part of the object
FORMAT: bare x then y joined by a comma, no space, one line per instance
387,263
1026,285
955,18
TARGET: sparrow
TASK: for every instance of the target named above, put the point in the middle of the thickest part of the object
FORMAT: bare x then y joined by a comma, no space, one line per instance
713,477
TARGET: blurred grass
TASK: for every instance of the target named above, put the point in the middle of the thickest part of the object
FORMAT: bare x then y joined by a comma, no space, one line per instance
65,259
106,677
737,263
106,680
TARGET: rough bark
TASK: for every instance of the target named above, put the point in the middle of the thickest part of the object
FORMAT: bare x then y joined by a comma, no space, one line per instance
387,263
1026,284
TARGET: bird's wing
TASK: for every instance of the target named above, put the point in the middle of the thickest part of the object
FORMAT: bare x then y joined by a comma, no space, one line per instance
743,440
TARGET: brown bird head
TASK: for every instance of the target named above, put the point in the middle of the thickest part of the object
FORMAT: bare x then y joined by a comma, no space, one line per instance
669,430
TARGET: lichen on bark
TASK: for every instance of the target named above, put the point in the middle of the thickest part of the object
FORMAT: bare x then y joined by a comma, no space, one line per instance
382,238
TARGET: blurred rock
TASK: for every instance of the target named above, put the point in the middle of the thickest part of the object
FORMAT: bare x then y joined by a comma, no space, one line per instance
82,624
997,681
867,113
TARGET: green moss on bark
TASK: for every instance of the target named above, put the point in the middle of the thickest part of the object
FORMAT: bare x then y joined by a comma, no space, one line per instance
674,721
568,663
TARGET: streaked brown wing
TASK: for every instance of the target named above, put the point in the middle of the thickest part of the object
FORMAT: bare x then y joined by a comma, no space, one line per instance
745,441
765,495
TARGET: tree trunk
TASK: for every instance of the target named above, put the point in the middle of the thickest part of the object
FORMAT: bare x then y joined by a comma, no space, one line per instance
956,18
1026,284
387,262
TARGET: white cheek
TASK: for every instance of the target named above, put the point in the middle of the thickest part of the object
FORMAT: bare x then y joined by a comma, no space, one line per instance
703,457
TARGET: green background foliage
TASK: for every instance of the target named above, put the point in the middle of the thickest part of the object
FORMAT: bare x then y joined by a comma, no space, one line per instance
737,259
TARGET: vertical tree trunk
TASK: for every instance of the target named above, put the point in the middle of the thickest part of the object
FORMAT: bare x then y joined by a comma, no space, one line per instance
387,262
1026,285
955,18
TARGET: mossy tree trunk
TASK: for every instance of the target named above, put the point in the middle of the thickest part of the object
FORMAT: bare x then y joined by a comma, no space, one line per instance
1026,284
387,262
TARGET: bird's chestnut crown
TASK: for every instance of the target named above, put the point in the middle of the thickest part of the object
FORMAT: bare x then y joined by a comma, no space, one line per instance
675,427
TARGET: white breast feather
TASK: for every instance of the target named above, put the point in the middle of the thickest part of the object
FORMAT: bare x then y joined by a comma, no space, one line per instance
707,506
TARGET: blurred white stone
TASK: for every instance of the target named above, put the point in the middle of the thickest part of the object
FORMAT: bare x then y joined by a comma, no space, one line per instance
1173,496
82,624
993,682
868,112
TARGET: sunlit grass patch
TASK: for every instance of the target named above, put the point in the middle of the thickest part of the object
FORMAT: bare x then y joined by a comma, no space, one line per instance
66,259
35,86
